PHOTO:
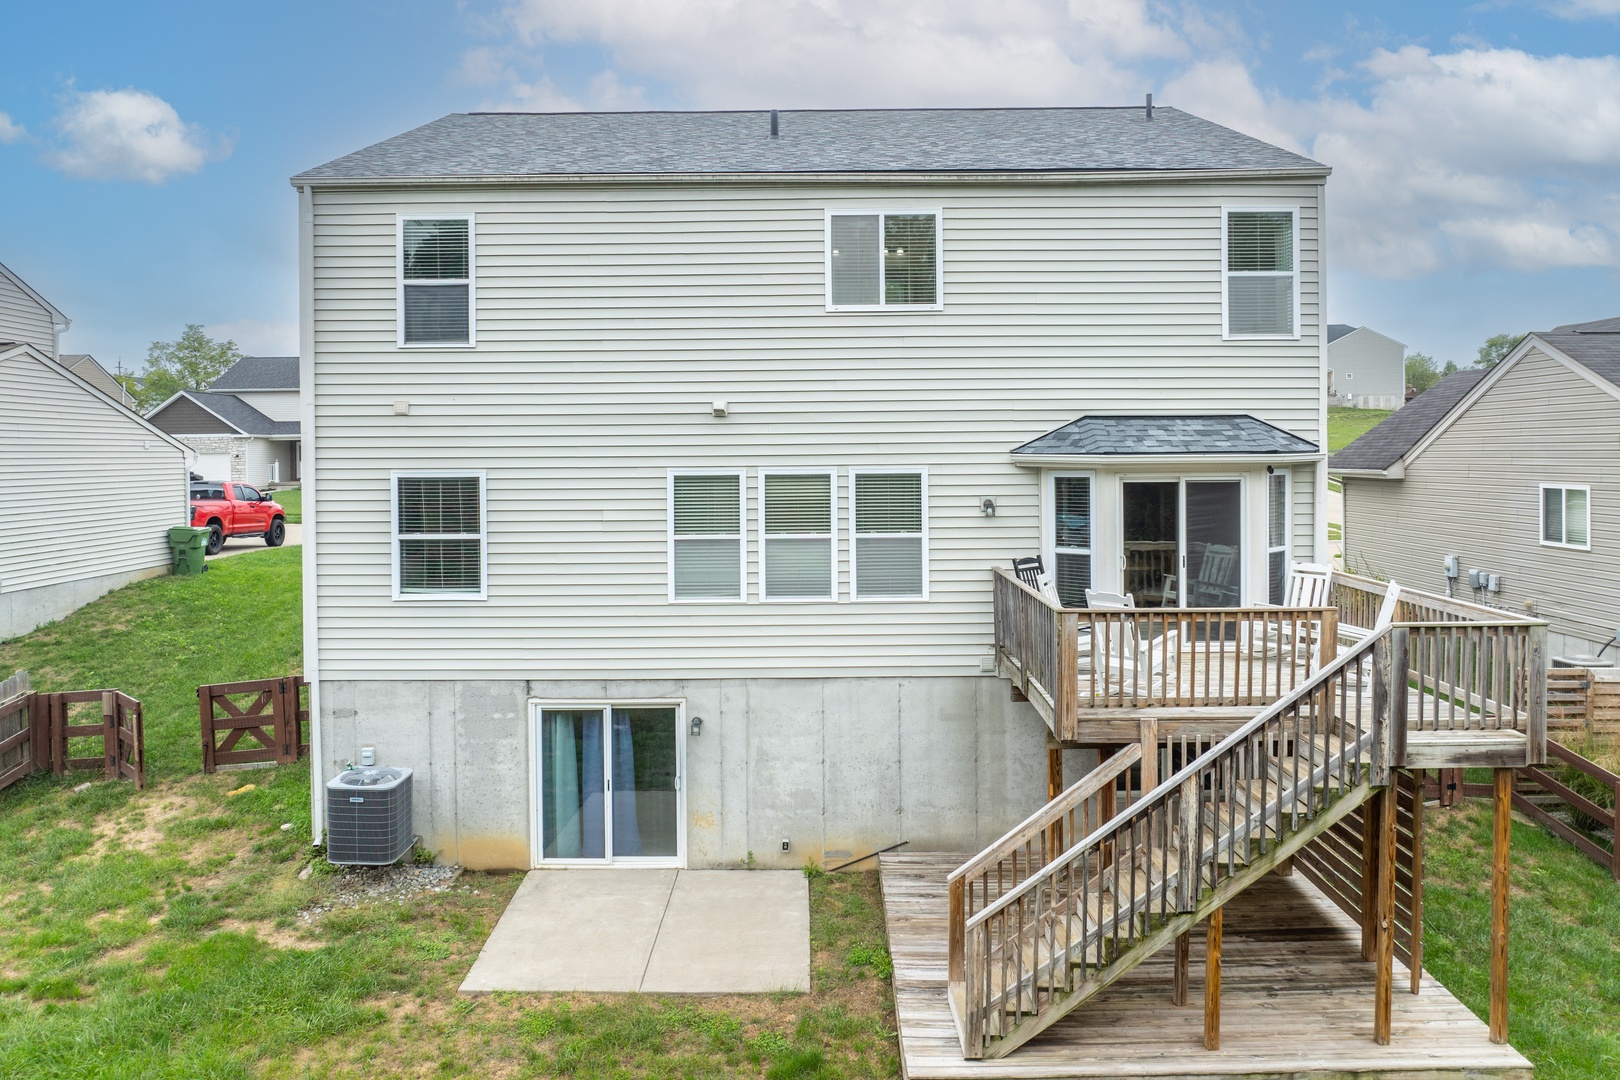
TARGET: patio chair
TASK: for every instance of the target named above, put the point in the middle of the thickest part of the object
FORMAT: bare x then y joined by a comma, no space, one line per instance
1157,653
1032,572
1309,585
1354,635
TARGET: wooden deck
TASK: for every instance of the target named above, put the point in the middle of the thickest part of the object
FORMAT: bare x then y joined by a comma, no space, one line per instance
1296,997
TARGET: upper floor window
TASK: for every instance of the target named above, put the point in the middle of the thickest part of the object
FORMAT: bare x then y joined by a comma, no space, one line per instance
436,280
439,536
1566,516
883,259
1259,274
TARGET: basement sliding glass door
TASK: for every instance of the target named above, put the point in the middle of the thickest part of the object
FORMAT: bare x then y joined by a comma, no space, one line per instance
609,784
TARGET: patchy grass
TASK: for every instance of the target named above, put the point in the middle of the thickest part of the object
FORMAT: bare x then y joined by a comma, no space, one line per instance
292,500
1564,920
1345,425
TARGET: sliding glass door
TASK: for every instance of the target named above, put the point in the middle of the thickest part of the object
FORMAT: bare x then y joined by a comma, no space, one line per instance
609,784
1183,542
1214,543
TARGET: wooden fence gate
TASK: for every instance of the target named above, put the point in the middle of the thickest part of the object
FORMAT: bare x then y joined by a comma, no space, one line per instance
274,712
35,729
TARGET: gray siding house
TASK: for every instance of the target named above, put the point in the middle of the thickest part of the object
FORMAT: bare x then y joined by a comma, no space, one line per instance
1516,473
656,463
1366,369
245,426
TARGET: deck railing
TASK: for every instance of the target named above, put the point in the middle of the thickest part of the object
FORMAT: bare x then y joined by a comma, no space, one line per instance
1092,911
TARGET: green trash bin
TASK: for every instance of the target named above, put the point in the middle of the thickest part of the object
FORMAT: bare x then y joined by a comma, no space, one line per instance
189,547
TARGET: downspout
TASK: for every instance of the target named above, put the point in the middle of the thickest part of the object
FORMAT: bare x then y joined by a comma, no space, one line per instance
1320,518
306,438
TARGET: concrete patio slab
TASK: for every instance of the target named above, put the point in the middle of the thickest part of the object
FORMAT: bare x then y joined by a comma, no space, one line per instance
656,931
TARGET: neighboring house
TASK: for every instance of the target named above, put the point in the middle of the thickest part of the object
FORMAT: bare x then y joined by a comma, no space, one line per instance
666,456
27,318
88,492
1516,473
1366,369
85,367
245,426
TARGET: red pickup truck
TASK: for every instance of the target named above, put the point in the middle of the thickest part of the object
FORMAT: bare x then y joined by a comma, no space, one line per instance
230,509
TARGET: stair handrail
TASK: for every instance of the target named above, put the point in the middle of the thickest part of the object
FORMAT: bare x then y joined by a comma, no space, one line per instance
1029,933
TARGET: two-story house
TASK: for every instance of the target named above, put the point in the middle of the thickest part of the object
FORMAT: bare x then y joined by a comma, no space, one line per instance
655,462
245,426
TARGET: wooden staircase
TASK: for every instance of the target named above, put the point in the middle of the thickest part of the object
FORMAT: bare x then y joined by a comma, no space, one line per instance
1078,895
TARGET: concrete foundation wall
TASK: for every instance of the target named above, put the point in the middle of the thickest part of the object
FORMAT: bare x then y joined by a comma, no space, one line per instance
838,767
29,609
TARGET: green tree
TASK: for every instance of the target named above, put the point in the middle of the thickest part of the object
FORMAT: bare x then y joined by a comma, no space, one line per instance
1496,348
190,363
1451,368
1421,371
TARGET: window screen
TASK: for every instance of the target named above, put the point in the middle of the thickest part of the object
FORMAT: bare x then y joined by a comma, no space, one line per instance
440,534
883,260
1260,273
706,515
798,536
1565,516
1071,530
436,272
1277,536
889,558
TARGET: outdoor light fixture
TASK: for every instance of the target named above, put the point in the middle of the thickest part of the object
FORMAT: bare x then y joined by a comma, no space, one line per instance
697,725
988,508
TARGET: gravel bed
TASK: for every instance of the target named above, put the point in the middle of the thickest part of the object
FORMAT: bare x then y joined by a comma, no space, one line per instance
353,885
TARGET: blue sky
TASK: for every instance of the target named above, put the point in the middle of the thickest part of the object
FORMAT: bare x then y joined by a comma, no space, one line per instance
145,149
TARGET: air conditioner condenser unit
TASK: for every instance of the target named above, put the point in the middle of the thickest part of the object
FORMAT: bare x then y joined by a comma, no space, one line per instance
368,817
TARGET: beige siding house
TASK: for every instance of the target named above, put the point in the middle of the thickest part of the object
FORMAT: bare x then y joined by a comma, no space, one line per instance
27,318
245,426
656,463
1366,369
1516,474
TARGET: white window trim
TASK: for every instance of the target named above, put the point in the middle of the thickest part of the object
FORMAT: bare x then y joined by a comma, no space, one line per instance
1226,215
537,842
882,212
1049,523
1287,546
472,281
854,538
742,535
1541,516
482,537
832,483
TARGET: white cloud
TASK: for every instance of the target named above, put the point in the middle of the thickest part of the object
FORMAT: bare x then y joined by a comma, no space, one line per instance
128,135
1585,9
10,130
258,337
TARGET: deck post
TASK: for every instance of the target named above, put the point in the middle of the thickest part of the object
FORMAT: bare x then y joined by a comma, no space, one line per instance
1369,871
1212,982
1054,788
1148,728
957,930
1106,805
1500,835
1384,995
1178,989
1536,692
1066,695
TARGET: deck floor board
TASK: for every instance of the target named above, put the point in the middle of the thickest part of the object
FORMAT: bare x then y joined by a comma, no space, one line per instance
1296,1002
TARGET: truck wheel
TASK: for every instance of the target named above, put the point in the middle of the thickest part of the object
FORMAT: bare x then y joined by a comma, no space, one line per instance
216,537
277,533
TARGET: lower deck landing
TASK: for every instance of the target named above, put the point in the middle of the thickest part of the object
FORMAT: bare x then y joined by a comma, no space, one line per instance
1296,1002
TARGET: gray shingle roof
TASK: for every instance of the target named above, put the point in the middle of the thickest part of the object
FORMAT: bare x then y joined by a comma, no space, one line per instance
1594,345
811,141
1338,330
240,415
1091,435
1390,440
260,373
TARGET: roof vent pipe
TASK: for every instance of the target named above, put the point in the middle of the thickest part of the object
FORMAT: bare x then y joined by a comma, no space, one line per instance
776,126
1149,109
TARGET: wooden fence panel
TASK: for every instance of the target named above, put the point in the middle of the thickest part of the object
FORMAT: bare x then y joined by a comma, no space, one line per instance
35,729
274,714
18,744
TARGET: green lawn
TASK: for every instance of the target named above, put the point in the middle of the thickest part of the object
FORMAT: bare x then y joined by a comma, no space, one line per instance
1344,425
157,934
293,500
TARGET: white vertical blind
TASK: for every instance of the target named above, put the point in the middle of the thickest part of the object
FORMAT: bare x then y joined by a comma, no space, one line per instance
440,534
1071,529
707,516
888,547
798,542
854,261
909,272
1260,273
436,268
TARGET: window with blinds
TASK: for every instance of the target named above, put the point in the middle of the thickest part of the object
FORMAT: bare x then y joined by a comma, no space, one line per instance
1277,536
435,281
706,536
438,535
883,259
1071,535
796,534
1566,516
889,551
1260,274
